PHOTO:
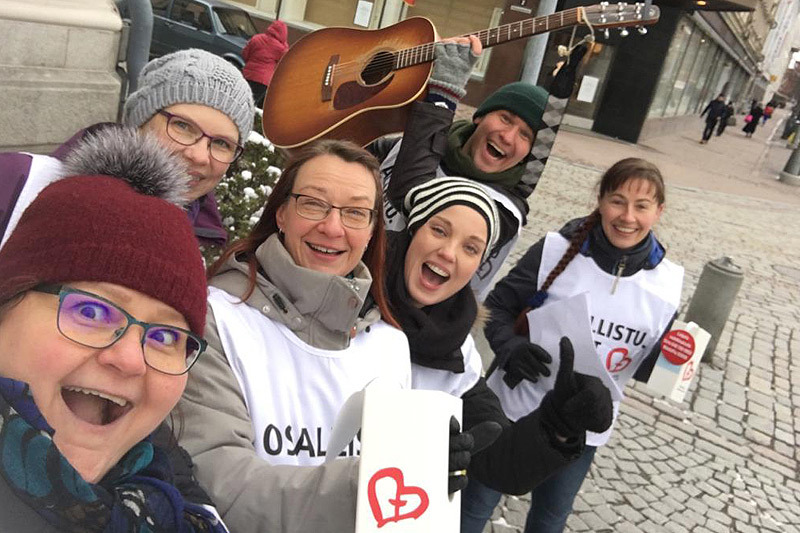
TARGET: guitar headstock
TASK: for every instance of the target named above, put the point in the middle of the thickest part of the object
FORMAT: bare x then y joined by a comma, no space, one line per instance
605,15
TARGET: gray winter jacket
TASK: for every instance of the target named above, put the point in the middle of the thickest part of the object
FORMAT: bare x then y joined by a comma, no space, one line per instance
251,494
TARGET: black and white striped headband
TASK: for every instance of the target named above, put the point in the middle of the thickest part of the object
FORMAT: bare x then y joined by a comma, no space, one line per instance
427,199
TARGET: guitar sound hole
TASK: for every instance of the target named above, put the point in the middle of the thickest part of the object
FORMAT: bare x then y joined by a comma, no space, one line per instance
378,68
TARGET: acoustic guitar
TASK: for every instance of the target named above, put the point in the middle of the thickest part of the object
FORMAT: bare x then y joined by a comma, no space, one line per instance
357,84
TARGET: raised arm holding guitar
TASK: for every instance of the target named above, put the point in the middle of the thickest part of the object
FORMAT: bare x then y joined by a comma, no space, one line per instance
357,84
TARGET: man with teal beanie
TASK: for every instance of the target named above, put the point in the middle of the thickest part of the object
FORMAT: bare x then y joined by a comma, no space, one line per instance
493,148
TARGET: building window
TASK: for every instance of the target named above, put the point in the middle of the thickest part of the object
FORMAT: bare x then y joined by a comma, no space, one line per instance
316,14
460,17
682,78
669,71
710,73
696,81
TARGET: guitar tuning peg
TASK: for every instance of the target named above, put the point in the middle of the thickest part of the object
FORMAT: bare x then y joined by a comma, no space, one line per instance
606,33
624,32
642,30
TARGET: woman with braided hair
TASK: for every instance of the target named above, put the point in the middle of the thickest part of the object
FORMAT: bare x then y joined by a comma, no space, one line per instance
613,256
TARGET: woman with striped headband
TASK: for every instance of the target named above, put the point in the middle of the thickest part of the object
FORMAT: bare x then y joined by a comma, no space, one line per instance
452,226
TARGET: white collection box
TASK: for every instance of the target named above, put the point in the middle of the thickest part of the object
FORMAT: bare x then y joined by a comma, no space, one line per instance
681,351
403,472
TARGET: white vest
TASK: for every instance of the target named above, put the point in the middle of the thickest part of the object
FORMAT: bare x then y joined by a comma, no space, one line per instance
294,391
625,324
487,271
425,378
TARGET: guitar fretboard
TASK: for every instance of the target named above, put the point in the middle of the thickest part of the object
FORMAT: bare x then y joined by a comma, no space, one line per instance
493,36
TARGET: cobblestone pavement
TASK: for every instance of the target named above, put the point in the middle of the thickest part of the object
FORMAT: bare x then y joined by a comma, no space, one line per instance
726,459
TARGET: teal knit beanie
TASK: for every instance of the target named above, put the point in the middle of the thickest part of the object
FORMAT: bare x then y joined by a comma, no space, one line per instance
523,99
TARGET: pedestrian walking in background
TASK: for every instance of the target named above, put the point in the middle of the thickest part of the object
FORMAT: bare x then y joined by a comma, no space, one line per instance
752,120
261,55
726,116
716,110
768,109
614,256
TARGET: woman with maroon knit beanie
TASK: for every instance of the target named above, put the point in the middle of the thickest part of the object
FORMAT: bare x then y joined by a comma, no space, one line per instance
102,310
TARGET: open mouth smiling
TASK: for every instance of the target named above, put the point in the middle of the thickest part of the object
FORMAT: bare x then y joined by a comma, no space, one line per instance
95,407
434,275
494,150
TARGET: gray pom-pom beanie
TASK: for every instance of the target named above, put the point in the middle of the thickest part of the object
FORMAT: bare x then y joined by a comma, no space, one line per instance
191,77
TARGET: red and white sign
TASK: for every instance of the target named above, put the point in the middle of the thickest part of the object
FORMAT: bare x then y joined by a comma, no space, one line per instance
681,350
678,346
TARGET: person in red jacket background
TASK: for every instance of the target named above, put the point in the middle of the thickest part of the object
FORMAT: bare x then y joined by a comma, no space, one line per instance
261,56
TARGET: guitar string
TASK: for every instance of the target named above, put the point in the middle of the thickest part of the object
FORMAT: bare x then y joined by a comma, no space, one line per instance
425,50
484,35
417,55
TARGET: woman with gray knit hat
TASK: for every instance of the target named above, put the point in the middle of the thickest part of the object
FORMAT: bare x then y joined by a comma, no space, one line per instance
452,226
102,312
200,106
195,103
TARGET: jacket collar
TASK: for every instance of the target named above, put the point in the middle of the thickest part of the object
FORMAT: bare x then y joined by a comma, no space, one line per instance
645,255
323,310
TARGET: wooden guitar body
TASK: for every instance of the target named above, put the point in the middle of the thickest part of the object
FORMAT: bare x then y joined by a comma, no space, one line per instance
332,76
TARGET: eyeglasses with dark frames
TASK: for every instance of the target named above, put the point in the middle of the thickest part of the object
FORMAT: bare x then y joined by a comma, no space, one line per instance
185,132
313,208
95,322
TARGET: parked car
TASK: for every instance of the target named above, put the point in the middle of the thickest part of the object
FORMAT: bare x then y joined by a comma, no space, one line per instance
212,25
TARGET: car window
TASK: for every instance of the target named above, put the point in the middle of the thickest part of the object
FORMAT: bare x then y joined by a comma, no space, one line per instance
160,7
235,22
191,13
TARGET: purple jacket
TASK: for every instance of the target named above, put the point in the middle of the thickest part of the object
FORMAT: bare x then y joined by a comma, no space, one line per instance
15,168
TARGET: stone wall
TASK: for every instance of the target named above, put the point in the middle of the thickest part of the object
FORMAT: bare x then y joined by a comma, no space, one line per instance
58,63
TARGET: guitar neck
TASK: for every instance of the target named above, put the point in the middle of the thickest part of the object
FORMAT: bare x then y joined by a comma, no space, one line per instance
494,36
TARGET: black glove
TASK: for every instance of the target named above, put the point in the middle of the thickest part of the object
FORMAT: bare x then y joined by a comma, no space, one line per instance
578,402
463,446
525,361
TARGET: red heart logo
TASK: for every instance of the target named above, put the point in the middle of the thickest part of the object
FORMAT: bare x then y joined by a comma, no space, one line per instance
398,501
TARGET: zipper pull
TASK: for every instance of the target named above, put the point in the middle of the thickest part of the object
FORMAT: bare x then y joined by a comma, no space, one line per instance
620,269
